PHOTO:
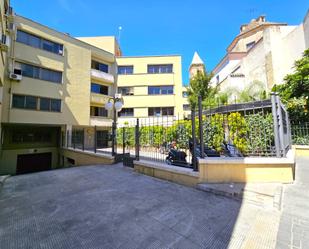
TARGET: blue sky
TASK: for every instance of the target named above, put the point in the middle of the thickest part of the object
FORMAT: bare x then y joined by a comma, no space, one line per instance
162,26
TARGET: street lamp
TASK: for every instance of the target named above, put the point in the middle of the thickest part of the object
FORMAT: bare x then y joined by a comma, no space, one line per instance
115,104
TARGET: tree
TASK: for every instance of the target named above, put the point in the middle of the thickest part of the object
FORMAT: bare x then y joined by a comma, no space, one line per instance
295,90
199,86
297,84
254,91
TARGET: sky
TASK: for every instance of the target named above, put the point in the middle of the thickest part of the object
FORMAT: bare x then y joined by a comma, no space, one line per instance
162,26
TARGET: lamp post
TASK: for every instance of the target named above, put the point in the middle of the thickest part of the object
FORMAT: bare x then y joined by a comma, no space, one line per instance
115,104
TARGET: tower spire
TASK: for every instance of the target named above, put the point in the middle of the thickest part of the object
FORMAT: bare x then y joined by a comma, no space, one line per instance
197,65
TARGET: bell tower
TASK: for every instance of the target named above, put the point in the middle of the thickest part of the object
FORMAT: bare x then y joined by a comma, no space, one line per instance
197,65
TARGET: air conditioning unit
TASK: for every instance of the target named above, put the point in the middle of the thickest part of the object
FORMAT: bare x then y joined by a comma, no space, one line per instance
16,75
5,42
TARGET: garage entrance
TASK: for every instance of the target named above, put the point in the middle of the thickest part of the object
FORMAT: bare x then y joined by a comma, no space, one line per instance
30,163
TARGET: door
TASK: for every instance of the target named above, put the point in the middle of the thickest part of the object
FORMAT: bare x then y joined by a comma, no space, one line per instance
33,163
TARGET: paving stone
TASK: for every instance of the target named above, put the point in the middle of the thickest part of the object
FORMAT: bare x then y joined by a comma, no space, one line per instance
113,207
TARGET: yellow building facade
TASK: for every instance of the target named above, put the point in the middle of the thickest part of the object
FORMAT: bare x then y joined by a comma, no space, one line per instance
53,85
151,86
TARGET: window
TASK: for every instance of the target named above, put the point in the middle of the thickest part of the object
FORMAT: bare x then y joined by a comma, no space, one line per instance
186,107
39,73
218,79
99,66
100,89
33,136
126,91
160,111
55,105
125,69
250,45
185,94
152,90
168,68
126,112
98,111
18,101
38,42
31,102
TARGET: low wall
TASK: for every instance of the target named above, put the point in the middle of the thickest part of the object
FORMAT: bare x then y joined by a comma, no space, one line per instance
224,170
163,171
301,150
86,158
247,170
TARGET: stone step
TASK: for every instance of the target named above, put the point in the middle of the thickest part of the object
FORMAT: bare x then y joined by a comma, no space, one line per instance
267,195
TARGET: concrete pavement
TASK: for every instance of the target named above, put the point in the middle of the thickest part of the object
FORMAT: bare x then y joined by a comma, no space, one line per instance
113,207
294,223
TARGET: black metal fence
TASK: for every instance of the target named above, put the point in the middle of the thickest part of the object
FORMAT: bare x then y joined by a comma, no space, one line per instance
92,139
260,129
156,138
239,129
300,133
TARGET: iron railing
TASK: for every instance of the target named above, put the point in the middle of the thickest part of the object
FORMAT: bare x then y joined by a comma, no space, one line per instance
300,133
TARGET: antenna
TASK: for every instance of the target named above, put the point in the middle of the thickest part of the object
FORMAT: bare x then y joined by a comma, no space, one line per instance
252,11
119,33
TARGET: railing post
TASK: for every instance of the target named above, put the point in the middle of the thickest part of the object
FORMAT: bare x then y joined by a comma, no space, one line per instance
274,106
123,140
113,137
74,138
83,139
68,139
200,120
194,161
95,139
137,140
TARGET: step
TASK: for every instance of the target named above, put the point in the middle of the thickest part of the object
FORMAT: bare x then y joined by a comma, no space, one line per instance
267,195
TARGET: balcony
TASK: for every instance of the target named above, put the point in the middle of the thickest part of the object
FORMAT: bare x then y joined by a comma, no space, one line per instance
100,121
99,98
99,75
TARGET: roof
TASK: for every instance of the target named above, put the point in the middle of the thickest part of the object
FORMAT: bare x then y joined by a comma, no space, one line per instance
196,59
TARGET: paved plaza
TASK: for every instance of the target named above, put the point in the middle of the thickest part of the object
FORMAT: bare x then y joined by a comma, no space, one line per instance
114,207
294,223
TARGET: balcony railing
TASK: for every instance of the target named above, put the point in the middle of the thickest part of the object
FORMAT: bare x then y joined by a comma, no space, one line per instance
107,77
101,121
99,98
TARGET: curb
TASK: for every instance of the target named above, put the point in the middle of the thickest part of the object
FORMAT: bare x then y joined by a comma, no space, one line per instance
3,179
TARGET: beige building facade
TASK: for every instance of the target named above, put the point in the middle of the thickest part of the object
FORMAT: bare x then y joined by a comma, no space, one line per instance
53,84
151,86
263,51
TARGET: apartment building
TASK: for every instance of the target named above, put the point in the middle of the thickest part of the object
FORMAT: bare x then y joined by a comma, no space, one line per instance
5,30
53,84
151,86
262,51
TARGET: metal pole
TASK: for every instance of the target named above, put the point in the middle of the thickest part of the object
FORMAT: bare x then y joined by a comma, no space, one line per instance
137,140
95,139
194,162
113,136
200,120
275,123
280,122
123,139
83,139
74,138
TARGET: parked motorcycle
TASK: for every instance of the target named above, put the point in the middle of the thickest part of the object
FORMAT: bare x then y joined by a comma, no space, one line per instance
177,158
